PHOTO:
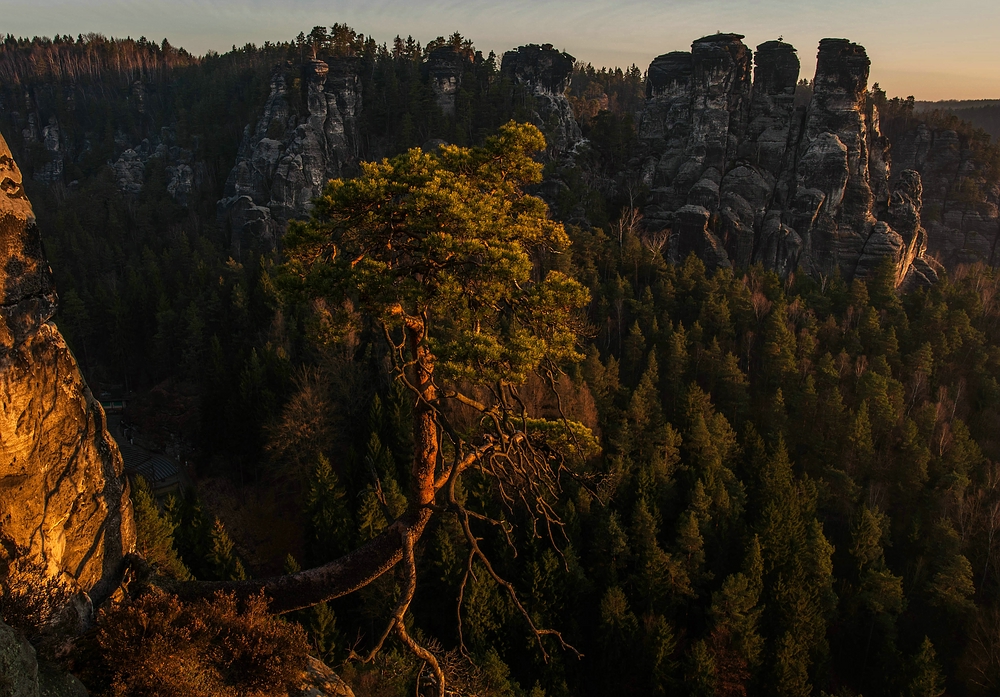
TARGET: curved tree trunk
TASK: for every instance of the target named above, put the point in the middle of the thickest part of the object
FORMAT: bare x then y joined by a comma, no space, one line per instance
362,566
332,580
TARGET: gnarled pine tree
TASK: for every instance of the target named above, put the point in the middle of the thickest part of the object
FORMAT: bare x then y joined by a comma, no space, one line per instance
447,257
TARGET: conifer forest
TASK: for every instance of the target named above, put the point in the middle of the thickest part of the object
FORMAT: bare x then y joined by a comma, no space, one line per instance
473,384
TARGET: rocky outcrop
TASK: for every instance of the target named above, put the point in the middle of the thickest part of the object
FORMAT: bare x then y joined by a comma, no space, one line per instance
444,71
773,184
546,74
63,498
961,203
23,675
697,106
129,170
183,173
304,137
319,680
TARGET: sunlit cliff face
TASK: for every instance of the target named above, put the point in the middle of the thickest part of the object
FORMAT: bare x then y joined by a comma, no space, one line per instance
15,210
25,278
62,497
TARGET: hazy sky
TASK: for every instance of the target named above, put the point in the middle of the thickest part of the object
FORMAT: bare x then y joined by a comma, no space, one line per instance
932,49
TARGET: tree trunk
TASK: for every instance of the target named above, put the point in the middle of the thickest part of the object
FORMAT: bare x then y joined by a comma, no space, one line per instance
365,564
311,586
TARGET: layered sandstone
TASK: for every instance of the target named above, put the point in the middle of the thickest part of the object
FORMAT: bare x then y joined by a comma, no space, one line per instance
63,497
304,137
546,73
739,175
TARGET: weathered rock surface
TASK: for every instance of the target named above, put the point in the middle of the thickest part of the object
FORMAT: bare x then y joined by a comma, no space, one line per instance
21,675
444,70
961,209
696,110
18,667
129,171
284,162
63,498
546,73
788,188
318,680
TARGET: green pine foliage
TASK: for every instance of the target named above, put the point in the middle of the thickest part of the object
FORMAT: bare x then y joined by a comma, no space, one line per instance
328,518
224,564
154,533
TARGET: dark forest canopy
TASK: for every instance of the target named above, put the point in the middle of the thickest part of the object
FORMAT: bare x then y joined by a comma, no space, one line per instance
794,488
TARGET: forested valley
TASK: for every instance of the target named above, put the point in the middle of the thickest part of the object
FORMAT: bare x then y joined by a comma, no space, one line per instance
776,484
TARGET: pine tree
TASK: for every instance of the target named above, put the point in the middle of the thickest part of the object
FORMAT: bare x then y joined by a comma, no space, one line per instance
154,533
329,524
797,571
734,641
633,352
927,680
225,565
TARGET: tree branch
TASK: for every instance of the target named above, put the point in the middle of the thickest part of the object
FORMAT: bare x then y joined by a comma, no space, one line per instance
312,586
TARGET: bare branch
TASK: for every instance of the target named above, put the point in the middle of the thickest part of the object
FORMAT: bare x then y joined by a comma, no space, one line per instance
512,593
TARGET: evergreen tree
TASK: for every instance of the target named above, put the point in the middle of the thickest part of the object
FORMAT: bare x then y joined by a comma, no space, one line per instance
223,562
927,680
154,533
329,525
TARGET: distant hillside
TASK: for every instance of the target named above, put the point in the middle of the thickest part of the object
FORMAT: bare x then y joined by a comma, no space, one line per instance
981,113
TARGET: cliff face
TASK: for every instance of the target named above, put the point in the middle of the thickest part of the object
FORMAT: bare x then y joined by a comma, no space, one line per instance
293,151
62,493
739,176
546,73
444,70
961,205
55,153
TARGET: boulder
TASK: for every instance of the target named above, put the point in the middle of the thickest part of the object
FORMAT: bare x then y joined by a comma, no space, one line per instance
21,674
318,680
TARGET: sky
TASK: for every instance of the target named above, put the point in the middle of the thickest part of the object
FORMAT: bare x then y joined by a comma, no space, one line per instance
931,49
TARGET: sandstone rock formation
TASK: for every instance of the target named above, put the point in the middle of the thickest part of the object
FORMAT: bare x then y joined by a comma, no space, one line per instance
129,171
546,73
444,70
740,176
961,206
62,494
302,139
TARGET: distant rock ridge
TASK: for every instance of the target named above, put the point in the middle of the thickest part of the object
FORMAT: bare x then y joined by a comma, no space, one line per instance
301,141
56,148
740,176
444,68
63,498
546,73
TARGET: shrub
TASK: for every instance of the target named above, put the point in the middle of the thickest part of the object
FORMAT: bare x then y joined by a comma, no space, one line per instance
159,646
37,604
